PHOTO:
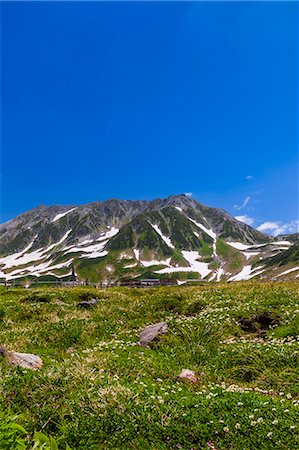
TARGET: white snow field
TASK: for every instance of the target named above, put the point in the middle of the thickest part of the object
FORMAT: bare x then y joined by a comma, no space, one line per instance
108,234
249,255
246,273
136,253
59,216
209,232
239,245
95,250
165,238
156,263
288,271
22,258
195,265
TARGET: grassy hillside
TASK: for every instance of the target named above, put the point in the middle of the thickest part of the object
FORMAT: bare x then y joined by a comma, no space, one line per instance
98,389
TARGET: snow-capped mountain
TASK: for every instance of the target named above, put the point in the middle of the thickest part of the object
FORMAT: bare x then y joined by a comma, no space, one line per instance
115,239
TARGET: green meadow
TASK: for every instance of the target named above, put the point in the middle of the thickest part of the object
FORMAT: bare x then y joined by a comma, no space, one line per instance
98,389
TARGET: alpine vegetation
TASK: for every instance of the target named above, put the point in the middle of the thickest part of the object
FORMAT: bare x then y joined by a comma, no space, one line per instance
212,366
175,238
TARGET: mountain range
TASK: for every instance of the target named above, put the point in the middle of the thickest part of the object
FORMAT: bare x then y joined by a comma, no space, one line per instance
177,237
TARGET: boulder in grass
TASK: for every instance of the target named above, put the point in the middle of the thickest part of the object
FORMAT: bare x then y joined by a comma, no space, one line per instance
188,375
88,303
25,360
151,332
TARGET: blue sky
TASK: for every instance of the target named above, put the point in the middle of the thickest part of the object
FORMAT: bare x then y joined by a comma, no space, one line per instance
143,100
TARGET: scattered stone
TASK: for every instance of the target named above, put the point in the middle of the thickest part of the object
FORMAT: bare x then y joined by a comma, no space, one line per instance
88,303
151,332
188,375
71,350
25,360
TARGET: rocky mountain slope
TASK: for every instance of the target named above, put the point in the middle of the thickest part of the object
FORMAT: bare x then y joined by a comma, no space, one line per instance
121,239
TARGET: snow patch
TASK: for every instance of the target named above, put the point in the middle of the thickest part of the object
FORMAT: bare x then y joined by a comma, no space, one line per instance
156,263
239,245
136,253
288,271
64,237
219,273
165,238
208,231
249,255
246,273
59,216
95,254
195,266
108,234
38,270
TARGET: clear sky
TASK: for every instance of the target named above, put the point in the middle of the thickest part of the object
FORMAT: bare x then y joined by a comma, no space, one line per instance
143,100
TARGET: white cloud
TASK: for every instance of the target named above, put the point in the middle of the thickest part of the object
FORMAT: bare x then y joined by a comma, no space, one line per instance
278,228
245,219
189,194
268,226
244,204
249,177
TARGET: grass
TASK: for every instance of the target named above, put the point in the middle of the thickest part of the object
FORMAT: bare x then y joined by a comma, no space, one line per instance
232,256
98,389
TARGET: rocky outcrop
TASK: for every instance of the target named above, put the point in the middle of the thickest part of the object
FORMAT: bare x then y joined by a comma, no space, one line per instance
152,332
25,360
88,303
188,375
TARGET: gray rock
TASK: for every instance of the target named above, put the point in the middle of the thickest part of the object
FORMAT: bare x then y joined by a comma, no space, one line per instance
151,332
71,350
88,303
25,360
188,375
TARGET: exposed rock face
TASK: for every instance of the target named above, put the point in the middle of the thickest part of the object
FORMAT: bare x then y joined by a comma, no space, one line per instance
25,360
151,332
188,375
88,303
140,239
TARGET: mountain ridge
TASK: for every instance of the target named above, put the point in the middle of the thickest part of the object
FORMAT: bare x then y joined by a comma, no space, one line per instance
177,236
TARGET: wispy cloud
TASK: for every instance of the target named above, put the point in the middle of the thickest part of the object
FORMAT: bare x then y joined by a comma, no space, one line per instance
244,204
277,228
249,177
245,219
189,194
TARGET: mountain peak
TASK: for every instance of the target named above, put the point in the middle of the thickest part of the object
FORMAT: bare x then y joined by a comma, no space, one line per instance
176,236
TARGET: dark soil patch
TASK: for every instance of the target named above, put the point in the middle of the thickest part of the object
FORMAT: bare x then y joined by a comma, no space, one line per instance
259,323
